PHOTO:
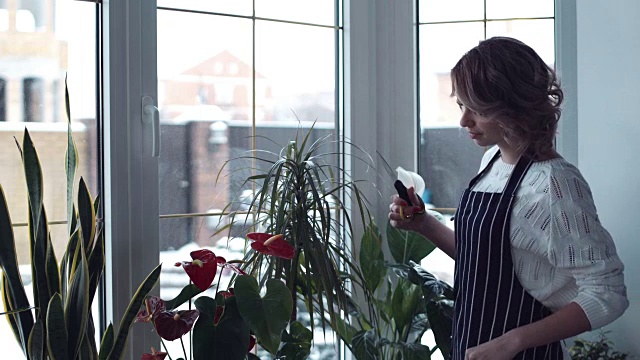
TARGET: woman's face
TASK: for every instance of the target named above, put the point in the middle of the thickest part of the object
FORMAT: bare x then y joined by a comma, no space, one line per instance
483,131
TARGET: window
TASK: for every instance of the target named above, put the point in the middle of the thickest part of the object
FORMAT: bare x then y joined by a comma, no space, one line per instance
267,76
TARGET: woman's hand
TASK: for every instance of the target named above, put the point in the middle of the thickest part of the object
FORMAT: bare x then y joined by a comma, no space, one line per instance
500,348
403,216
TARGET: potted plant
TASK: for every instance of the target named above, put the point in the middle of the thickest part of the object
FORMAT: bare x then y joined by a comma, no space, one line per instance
59,324
297,259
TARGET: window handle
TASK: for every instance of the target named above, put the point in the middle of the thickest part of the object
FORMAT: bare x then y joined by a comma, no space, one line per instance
151,115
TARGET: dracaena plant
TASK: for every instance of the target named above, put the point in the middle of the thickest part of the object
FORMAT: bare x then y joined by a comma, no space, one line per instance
299,194
59,324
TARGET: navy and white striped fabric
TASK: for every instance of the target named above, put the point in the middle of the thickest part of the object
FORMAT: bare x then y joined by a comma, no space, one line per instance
489,298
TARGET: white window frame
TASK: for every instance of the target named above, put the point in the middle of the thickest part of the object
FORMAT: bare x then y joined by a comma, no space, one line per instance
130,172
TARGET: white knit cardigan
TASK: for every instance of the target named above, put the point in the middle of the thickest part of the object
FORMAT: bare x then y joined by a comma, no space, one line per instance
560,250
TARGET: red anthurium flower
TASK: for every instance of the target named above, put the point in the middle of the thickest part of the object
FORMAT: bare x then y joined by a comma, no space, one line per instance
218,314
153,306
155,355
228,293
271,245
233,267
171,325
252,342
202,270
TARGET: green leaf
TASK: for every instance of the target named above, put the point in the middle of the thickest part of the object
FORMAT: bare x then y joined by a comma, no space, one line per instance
87,216
57,338
38,247
407,246
296,344
406,298
36,342
228,340
107,343
431,287
14,295
365,345
345,330
33,176
267,316
71,162
186,294
440,315
371,257
76,307
52,271
96,265
413,351
132,310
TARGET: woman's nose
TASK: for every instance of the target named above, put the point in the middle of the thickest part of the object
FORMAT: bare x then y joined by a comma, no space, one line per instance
466,120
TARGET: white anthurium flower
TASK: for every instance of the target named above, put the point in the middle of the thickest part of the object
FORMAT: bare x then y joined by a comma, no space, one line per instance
411,179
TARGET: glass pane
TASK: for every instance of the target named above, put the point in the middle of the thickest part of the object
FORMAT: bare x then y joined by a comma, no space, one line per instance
503,9
235,7
308,11
205,95
539,34
441,46
297,67
40,68
39,49
452,10
33,16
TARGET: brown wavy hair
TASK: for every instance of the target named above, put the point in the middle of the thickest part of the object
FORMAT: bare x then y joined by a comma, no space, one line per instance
506,81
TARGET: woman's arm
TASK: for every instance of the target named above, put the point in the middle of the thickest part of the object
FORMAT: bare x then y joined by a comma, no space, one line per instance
567,322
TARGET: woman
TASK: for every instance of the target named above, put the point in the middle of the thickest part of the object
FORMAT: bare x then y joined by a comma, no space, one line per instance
534,265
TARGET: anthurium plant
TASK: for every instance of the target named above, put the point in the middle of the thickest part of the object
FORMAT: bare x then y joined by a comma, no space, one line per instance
229,325
59,324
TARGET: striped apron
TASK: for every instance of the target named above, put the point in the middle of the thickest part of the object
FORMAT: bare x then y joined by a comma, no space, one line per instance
490,300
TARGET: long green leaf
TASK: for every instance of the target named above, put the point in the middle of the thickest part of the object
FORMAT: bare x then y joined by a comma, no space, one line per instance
132,310
66,263
365,345
87,216
38,246
12,312
107,343
96,265
33,176
57,337
37,342
10,315
71,161
13,288
76,308
52,271
371,257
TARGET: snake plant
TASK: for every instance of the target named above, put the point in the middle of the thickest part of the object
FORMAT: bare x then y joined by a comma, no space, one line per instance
59,324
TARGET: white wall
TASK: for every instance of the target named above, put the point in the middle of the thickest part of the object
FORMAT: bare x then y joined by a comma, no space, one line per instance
607,144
